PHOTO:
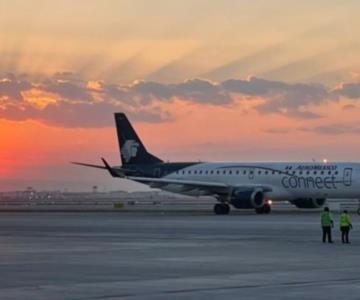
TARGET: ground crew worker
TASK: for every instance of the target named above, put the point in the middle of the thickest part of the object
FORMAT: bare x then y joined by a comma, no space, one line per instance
326,223
345,226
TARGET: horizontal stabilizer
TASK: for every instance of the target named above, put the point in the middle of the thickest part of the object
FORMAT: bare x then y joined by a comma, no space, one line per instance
114,172
88,165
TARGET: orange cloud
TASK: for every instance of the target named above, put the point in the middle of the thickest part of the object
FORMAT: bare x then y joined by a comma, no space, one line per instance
94,85
69,101
39,98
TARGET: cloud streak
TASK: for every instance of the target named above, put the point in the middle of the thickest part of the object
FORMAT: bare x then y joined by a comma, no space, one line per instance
334,129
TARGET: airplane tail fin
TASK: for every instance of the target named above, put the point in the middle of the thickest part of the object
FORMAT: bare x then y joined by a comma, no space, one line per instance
132,150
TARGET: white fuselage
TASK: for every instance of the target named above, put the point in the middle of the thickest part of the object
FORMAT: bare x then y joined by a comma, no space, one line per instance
287,180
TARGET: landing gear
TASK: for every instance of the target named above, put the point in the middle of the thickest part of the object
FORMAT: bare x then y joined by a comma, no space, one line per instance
259,210
221,209
265,209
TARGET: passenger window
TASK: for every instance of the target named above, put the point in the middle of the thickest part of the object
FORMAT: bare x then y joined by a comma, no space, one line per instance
329,173
307,173
217,172
315,172
200,172
211,171
259,172
195,172
336,172
273,172
266,172
237,172
224,172
230,172
322,172
189,172
300,172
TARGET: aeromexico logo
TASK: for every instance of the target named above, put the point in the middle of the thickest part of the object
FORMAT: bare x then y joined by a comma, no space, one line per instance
129,150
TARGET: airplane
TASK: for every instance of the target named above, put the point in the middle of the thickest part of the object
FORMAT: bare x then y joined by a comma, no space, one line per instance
242,185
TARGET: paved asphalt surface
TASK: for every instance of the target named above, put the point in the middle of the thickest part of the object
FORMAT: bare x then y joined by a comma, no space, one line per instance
173,255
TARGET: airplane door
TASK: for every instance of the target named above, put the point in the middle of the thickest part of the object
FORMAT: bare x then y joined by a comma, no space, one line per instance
251,174
347,176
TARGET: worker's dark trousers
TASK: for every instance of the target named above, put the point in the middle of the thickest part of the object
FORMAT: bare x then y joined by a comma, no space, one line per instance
326,232
345,234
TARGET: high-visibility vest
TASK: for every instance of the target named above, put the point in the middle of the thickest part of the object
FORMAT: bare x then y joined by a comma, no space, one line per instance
326,219
345,220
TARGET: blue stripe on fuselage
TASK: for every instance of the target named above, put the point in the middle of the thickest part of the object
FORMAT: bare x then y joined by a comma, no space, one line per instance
156,170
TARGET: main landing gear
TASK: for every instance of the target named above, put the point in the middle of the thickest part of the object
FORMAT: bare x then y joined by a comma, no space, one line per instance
221,209
224,209
265,209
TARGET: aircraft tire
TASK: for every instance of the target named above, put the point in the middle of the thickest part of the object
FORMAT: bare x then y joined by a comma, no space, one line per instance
267,208
221,209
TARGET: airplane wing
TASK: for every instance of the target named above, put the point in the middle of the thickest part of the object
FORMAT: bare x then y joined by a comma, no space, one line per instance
209,187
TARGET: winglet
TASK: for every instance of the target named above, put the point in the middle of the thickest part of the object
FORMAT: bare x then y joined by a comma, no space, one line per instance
112,172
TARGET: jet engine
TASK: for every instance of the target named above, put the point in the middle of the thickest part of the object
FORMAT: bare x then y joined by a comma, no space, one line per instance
309,202
247,198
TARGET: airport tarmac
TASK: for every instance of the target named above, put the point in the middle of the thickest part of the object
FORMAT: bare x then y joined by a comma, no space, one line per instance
157,255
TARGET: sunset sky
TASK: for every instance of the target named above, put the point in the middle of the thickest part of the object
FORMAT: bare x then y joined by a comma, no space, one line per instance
201,80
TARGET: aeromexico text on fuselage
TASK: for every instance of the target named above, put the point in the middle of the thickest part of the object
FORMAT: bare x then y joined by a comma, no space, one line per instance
301,176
